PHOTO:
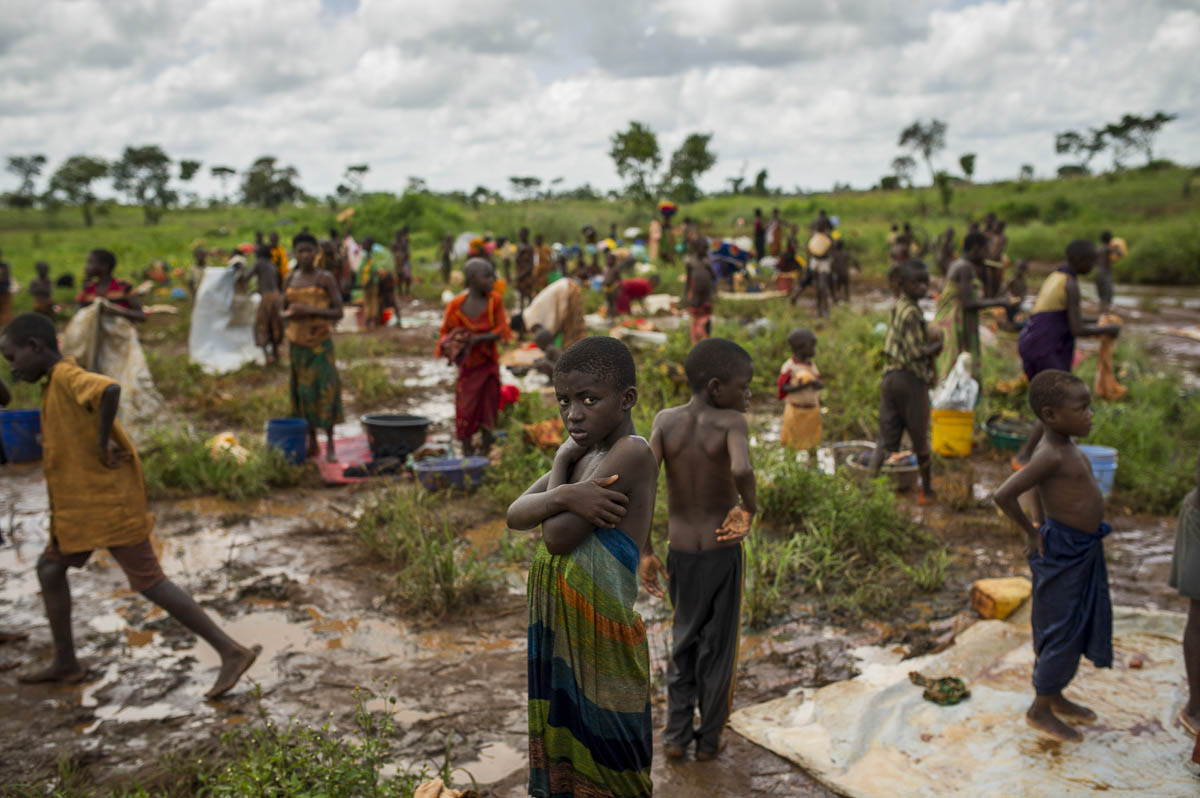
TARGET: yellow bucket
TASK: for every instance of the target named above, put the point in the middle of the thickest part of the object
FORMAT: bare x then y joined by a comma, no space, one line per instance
952,432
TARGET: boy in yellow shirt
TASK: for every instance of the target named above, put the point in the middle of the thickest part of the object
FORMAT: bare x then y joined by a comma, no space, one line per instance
97,501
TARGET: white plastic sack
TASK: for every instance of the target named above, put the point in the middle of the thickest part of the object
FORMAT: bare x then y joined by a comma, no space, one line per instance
108,344
959,390
222,334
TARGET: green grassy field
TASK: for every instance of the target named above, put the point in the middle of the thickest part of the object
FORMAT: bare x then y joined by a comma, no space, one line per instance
1148,209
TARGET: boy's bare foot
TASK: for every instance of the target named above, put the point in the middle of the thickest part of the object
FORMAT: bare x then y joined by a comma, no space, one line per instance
1046,721
1062,706
67,674
12,637
232,669
673,751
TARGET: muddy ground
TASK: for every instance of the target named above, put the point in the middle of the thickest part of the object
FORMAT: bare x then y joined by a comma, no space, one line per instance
287,574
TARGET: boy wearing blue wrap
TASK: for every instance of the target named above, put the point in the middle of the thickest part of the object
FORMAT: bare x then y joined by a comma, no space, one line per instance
1072,610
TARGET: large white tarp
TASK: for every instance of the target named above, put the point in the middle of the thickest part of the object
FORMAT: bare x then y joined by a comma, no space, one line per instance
222,334
875,735
108,344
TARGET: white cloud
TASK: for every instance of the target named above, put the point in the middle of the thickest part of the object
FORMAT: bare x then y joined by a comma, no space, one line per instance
463,92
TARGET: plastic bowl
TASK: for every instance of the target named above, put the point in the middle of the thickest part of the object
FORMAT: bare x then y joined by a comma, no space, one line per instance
1009,439
394,434
856,455
451,472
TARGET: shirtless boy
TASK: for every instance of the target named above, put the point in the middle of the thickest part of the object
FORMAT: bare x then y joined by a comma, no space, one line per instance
711,494
590,730
1072,610
97,501
701,291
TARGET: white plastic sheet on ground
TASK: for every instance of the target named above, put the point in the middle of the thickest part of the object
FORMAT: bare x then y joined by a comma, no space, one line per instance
875,735
108,345
222,334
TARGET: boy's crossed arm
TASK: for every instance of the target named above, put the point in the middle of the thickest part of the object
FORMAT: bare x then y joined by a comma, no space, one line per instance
570,511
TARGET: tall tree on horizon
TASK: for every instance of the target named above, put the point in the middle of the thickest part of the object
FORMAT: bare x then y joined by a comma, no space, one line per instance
143,173
636,155
73,179
926,138
26,168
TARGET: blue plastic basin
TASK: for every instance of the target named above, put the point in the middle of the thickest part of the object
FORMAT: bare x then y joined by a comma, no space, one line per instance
1103,460
21,435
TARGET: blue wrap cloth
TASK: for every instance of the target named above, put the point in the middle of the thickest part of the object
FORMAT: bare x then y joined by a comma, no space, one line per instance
1072,609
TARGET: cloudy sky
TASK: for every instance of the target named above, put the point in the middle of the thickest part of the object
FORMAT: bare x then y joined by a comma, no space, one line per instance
468,92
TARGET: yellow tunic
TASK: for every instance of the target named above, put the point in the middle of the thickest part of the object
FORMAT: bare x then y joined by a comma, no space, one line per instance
1053,294
91,506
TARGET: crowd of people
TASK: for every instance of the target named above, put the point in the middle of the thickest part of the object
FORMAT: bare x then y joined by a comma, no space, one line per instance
588,663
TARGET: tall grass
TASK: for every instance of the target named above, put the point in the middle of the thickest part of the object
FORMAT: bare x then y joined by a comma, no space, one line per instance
178,464
431,572
840,538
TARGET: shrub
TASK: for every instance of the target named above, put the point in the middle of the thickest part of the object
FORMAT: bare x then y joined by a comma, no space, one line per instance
178,464
411,533
1168,255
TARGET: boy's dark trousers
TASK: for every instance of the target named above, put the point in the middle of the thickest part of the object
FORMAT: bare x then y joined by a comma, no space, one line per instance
706,592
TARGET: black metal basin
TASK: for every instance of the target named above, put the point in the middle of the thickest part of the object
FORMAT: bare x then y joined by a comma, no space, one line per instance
394,434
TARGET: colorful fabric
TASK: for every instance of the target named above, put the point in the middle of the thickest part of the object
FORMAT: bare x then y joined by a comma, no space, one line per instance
268,323
795,372
701,322
476,399
590,732
1185,563
309,331
116,292
316,387
280,258
1072,608
92,506
904,346
801,428
631,289
492,320
1046,341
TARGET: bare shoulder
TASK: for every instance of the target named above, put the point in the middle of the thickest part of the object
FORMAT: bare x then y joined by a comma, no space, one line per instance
730,420
668,416
633,452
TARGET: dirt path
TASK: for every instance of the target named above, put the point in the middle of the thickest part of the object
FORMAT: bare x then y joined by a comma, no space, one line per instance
287,574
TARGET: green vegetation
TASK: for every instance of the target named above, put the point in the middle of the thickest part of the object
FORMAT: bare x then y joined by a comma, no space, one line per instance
410,531
842,538
179,463
1144,205
266,760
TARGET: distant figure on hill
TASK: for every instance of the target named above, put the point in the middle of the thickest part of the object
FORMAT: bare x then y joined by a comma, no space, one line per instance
42,290
5,292
268,322
447,257
99,283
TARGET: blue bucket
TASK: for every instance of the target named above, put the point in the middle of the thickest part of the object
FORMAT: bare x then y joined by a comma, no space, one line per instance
290,436
21,434
1104,465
